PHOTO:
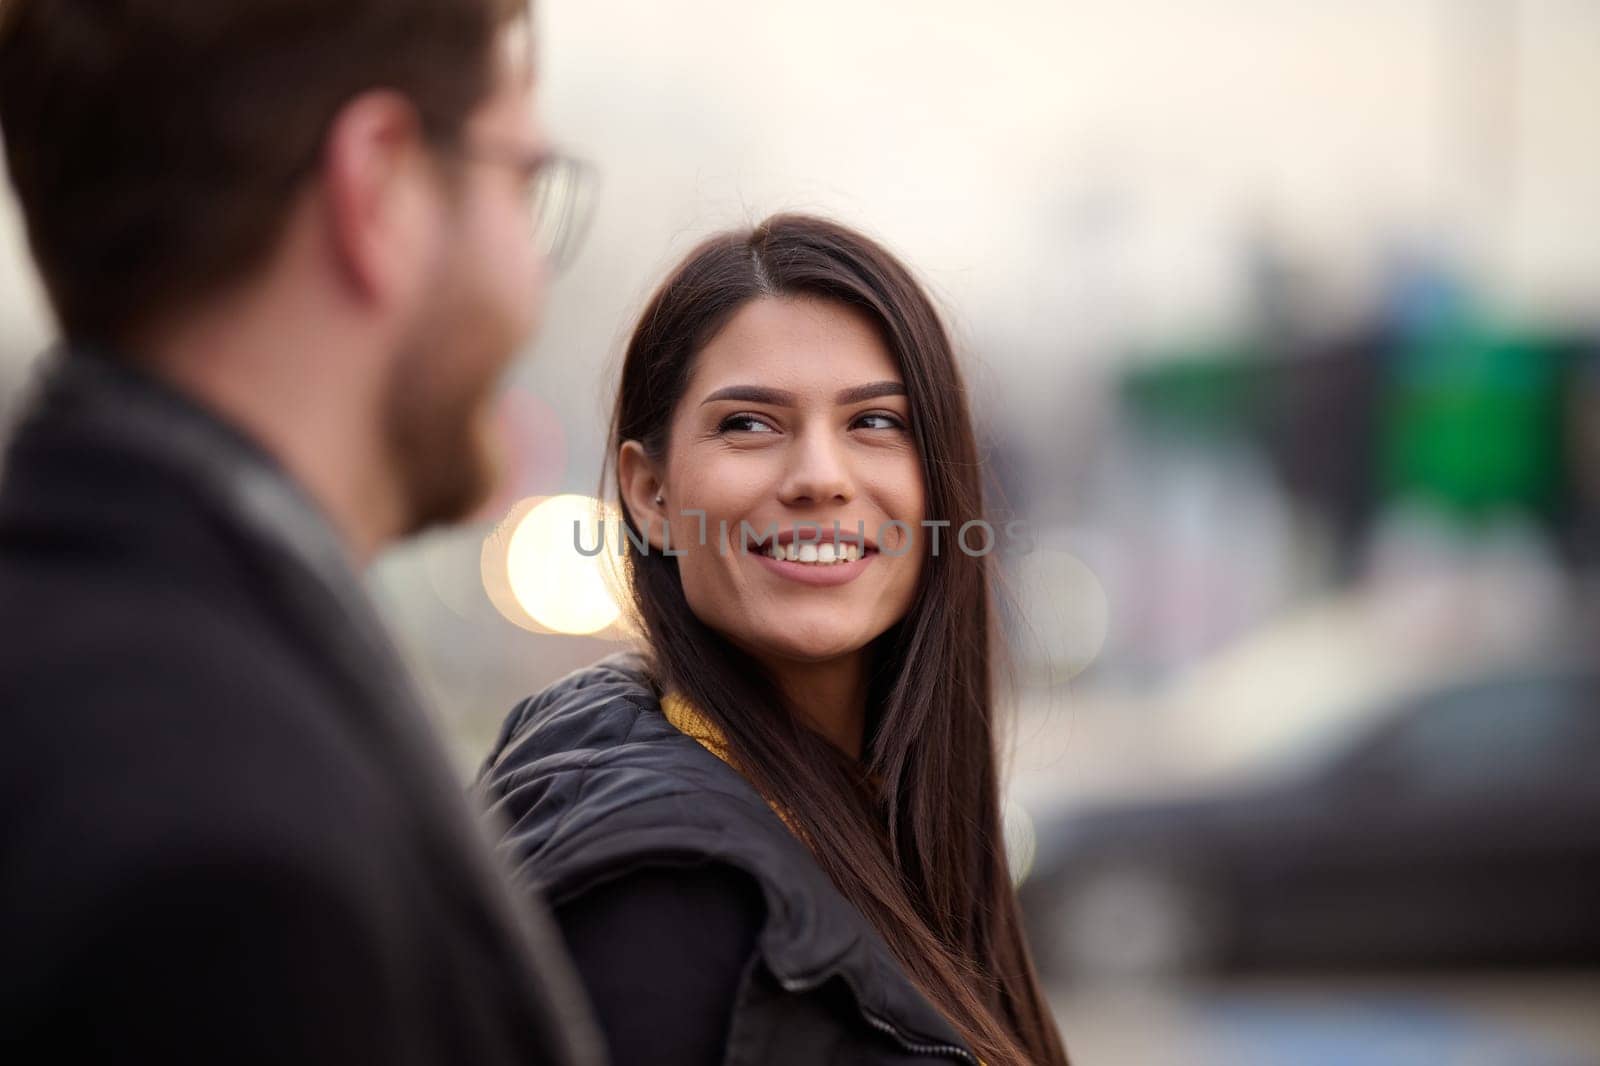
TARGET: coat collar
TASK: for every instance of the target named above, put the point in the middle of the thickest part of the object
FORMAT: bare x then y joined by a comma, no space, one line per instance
688,719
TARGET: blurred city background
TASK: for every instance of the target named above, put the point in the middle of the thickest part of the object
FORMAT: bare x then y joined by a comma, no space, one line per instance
1282,326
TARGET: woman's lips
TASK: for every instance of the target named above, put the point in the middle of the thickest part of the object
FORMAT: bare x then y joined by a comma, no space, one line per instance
818,574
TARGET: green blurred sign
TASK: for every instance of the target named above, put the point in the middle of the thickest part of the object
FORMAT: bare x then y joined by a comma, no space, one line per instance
1471,421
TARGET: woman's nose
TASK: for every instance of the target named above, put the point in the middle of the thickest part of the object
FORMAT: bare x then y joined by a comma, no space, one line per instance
818,472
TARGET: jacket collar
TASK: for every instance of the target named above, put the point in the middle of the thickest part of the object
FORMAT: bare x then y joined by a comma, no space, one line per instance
105,396
688,719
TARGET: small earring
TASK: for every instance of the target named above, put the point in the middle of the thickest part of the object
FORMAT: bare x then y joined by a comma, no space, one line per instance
659,501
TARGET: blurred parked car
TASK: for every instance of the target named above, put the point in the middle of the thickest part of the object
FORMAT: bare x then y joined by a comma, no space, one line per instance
1458,825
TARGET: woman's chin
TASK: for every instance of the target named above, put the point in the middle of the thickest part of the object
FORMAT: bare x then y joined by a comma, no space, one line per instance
808,647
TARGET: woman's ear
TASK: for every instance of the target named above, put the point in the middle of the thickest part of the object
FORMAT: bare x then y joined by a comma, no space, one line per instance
640,484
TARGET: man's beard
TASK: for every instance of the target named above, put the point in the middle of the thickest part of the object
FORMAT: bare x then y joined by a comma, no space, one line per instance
441,433
447,465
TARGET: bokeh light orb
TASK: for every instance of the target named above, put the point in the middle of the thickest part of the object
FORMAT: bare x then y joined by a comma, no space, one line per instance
1066,610
534,561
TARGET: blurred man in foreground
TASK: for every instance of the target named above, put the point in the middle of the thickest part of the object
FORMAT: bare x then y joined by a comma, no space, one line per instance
288,245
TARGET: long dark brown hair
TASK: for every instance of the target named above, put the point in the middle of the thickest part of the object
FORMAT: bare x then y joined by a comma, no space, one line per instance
911,834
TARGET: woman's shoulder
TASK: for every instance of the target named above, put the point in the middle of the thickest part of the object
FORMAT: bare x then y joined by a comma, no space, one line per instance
611,692
590,775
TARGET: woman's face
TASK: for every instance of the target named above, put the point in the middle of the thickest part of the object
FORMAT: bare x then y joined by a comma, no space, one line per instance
795,418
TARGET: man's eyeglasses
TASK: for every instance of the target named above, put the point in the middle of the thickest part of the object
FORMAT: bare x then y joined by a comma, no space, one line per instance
560,192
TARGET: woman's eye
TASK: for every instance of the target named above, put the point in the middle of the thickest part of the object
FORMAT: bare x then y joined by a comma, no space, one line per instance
743,424
878,420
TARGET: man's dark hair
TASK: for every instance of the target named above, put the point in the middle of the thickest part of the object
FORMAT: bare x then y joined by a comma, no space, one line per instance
156,145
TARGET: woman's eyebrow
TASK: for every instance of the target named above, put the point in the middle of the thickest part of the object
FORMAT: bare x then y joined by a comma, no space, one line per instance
780,398
863,393
752,394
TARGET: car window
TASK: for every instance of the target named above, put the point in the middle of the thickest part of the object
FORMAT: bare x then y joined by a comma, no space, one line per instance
1500,732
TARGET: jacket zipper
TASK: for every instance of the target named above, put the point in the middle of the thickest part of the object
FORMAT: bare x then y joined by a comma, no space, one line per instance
882,1024
914,1047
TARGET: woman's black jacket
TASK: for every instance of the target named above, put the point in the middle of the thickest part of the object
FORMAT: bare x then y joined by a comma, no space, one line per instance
600,790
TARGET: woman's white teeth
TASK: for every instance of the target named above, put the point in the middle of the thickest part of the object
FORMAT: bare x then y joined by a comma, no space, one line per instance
821,554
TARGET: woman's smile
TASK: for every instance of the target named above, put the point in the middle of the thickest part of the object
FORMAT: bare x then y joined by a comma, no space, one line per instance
820,558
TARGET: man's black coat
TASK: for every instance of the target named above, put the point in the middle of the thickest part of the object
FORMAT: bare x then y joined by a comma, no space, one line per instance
226,831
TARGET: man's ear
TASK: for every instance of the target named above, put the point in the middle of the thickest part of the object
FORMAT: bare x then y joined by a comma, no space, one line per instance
375,176
640,484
